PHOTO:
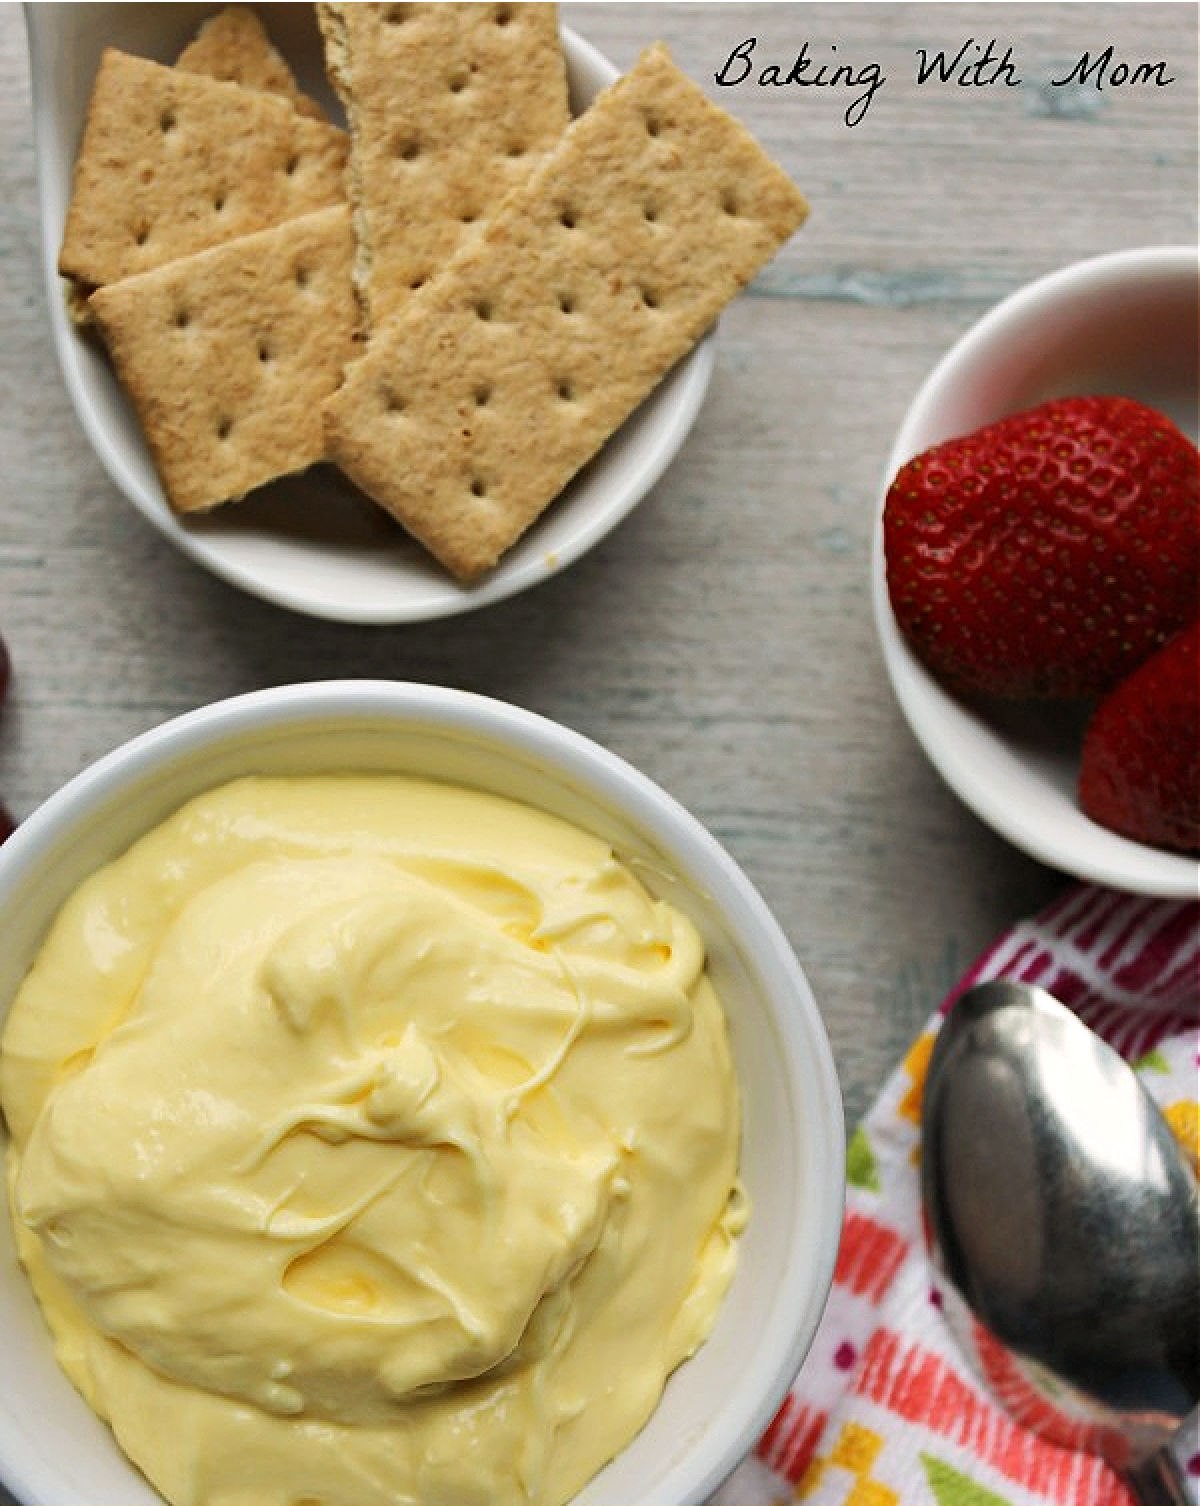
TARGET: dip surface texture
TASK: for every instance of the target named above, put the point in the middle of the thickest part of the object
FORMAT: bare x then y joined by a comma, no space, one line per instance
372,1141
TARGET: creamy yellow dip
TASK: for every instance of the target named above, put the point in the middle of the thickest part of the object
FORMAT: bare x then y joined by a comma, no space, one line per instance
372,1141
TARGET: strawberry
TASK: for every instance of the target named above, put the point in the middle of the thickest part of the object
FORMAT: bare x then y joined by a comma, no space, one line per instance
1140,771
1049,553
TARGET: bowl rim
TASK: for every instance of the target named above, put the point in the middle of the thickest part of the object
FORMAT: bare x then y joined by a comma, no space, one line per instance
678,399
940,721
616,785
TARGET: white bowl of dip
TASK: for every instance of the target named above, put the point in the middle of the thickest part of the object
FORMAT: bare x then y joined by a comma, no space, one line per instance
53,1449
311,542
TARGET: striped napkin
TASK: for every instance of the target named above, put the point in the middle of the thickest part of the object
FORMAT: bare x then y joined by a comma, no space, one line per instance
885,1411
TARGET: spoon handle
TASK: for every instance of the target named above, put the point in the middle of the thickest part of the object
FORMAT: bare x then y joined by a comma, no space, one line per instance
1158,1480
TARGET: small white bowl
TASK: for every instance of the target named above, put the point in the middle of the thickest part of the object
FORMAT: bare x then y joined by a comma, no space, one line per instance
53,1450
1125,324
312,543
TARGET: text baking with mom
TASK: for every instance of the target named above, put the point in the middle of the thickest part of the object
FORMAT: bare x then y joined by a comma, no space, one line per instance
973,64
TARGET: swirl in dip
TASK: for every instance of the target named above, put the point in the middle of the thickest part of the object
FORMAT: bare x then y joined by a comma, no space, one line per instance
373,1142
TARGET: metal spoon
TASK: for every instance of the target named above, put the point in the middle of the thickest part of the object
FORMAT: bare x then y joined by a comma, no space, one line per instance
1064,1223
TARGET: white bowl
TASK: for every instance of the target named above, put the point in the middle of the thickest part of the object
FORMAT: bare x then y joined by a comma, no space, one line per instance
1125,324
53,1451
312,543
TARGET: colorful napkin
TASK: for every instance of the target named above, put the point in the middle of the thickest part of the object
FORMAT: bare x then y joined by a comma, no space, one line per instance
886,1412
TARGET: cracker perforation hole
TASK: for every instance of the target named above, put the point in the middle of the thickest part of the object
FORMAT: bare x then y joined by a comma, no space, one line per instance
224,427
290,166
396,15
650,213
418,281
649,298
469,216
393,402
264,352
182,319
408,148
729,203
218,202
478,486
516,149
504,15
653,125
483,309
565,389
567,303
167,121
457,83
568,219
482,395
141,235
303,277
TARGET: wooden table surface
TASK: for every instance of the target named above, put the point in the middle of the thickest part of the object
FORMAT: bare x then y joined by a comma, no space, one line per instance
721,639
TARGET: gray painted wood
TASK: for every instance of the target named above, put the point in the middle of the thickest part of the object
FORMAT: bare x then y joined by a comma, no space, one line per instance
721,639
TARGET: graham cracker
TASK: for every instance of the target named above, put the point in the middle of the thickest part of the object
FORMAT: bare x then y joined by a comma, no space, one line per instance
474,406
227,355
449,106
173,162
233,45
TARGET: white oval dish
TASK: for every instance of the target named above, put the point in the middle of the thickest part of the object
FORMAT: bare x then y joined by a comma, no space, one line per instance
1123,323
312,543
54,1450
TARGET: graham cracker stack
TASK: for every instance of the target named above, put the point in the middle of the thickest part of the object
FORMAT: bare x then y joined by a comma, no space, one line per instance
227,355
449,106
233,45
477,402
173,162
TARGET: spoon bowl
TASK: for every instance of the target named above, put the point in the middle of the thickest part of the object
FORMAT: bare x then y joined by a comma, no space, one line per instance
1064,1223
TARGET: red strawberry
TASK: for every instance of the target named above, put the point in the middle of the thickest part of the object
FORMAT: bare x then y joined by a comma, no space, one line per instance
1140,773
1049,553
